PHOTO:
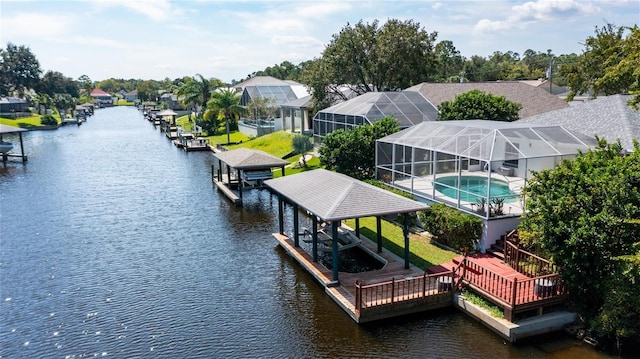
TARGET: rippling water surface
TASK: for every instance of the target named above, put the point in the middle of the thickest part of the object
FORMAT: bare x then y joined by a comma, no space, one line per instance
114,243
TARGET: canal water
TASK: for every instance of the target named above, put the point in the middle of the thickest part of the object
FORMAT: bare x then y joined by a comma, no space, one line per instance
114,243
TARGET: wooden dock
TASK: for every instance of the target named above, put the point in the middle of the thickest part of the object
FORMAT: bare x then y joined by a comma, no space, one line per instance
224,188
385,293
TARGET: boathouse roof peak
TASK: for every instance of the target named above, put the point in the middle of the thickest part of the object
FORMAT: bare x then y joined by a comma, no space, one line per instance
335,196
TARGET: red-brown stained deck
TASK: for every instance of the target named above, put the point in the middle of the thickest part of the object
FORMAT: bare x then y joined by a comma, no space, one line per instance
503,285
394,290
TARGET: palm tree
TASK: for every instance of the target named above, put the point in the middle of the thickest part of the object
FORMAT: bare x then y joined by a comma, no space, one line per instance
227,102
197,90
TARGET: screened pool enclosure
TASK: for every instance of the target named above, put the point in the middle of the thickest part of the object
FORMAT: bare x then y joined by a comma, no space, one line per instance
477,166
407,107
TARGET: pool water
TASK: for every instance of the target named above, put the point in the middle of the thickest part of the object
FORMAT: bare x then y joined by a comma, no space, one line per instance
472,188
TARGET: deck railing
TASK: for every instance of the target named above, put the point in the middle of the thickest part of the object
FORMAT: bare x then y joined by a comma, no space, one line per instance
402,290
525,262
512,294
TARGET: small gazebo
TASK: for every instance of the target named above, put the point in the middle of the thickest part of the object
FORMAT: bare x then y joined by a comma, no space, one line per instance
331,197
7,146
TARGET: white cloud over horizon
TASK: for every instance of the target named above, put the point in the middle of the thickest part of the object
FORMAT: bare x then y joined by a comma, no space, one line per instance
155,39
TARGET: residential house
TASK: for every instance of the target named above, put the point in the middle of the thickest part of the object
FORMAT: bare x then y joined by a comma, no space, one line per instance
102,98
131,96
534,100
477,166
11,106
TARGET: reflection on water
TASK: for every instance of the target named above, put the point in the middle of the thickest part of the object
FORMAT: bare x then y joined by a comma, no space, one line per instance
114,243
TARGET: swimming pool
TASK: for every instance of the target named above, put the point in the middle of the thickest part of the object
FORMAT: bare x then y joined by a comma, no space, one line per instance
473,188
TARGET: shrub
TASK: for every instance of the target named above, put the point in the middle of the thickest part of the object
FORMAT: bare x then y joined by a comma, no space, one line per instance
48,120
451,227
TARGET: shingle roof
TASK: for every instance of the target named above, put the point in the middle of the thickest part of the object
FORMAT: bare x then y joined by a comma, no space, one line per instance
534,100
99,92
609,117
10,129
261,80
334,196
249,159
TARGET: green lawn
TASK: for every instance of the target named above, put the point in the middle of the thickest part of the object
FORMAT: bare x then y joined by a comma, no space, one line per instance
312,164
27,122
123,102
422,253
277,143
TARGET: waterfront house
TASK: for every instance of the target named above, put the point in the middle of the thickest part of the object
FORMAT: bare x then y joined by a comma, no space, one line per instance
131,96
102,98
10,106
277,92
476,166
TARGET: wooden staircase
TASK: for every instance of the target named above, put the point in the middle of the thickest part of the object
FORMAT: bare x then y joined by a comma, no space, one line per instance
497,249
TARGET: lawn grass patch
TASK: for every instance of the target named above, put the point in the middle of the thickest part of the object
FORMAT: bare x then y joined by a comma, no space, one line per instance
422,253
184,123
312,164
235,136
277,143
26,122
473,298
123,102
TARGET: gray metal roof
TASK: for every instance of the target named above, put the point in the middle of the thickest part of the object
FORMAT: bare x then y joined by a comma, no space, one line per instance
249,159
534,100
609,117
333,196
10,129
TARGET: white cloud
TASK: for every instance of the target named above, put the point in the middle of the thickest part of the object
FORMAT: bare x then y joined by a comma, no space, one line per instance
34,25
537,11
294,40
436,5
156,10
321,9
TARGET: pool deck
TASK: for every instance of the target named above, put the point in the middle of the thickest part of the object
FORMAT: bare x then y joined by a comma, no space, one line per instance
424,187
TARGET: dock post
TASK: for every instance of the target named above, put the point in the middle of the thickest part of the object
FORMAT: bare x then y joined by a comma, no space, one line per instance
334,247
314,237
405,232
379,230
296,241
280,215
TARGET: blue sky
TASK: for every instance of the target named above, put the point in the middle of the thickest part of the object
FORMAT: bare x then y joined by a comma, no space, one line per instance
155,39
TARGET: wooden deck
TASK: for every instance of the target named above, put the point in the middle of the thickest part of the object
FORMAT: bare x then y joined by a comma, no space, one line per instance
394,291
388,292
501,284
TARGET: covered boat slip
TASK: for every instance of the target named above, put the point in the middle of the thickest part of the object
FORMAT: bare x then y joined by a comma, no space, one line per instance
241,168
7,148
329,197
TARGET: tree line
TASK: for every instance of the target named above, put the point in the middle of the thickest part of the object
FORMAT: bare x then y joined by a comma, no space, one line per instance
368,57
